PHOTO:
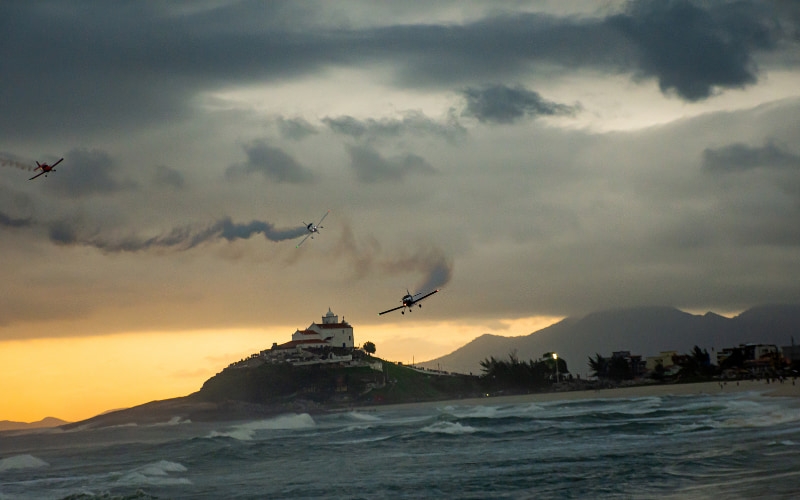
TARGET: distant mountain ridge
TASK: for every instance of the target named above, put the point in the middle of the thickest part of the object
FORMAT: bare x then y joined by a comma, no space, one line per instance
9,425
644,331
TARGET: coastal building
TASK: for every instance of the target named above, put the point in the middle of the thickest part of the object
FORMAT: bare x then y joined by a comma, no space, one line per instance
749,352
791,353
330,342
664,358
329,333
634,362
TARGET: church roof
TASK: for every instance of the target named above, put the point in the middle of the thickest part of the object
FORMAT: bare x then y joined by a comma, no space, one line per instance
342,324
294,343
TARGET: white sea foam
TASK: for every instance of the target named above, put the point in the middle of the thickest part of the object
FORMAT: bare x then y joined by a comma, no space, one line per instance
155,474
172,421
374,439
123,426
586,407
363,416
766,419
479,411
21,462
246,432
453,428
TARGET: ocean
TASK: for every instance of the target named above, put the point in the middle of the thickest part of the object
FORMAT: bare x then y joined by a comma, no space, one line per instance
727,445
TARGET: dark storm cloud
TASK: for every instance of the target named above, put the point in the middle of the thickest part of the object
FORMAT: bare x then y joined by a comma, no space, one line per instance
123,65
739,157
693,48
272,163
87,172
413,122
371,167
295,129
502,104
166,176
66,232
94,66
760,191
690,48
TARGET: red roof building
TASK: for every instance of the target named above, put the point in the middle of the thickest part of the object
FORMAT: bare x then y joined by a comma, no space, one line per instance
330,333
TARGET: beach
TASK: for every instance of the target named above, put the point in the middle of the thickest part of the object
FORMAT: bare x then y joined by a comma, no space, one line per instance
786,389
187,409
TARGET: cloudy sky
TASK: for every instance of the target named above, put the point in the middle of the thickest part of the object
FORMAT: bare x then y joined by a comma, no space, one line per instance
533,159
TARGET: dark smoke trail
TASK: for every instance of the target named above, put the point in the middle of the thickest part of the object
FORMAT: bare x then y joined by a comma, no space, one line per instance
7,162
179,239
438,274
436,268
8,221
231,231
366,257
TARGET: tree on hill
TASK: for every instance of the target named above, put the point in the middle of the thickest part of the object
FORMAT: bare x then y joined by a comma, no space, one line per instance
734,361
696,364
520,375
615,368
369,347
659,372
619,368
599,366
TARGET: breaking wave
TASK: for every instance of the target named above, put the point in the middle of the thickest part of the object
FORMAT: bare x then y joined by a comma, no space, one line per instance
22,462
246,432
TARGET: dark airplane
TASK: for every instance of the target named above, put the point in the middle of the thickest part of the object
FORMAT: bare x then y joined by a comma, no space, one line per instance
409,301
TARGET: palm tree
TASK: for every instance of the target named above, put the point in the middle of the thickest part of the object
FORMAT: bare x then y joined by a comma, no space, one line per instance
599,366
619,369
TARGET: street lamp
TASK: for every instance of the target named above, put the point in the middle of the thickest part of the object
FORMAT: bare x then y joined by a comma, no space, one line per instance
555,358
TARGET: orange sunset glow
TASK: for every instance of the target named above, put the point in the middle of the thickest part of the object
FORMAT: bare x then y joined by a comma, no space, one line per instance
76,378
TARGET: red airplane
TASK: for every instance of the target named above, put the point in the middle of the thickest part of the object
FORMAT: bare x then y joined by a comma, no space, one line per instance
45,169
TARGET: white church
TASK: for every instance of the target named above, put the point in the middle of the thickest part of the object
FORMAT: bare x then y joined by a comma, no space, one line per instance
330,333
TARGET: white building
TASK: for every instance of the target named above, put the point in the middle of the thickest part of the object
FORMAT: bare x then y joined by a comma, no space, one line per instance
330,333
664,359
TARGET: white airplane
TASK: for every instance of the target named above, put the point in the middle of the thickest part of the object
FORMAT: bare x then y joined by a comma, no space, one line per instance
313,228
409,300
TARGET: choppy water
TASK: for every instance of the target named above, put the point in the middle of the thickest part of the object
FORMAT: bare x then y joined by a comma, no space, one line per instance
723,446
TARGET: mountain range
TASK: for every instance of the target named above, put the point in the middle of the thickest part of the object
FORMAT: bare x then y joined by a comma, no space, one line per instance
10,425
645,331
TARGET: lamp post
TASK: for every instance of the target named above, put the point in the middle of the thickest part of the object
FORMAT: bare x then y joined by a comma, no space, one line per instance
555,358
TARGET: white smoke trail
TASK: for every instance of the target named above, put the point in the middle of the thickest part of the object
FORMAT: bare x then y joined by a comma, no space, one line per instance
7,162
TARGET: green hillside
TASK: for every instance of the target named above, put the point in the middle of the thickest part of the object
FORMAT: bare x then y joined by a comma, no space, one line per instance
406,385
332,385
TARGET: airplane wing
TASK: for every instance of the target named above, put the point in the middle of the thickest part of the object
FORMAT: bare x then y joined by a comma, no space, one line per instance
37,175
56,163
426,295
390,310
303,240
323,217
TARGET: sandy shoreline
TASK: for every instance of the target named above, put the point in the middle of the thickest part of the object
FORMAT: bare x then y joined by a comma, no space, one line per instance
786,389
185,409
